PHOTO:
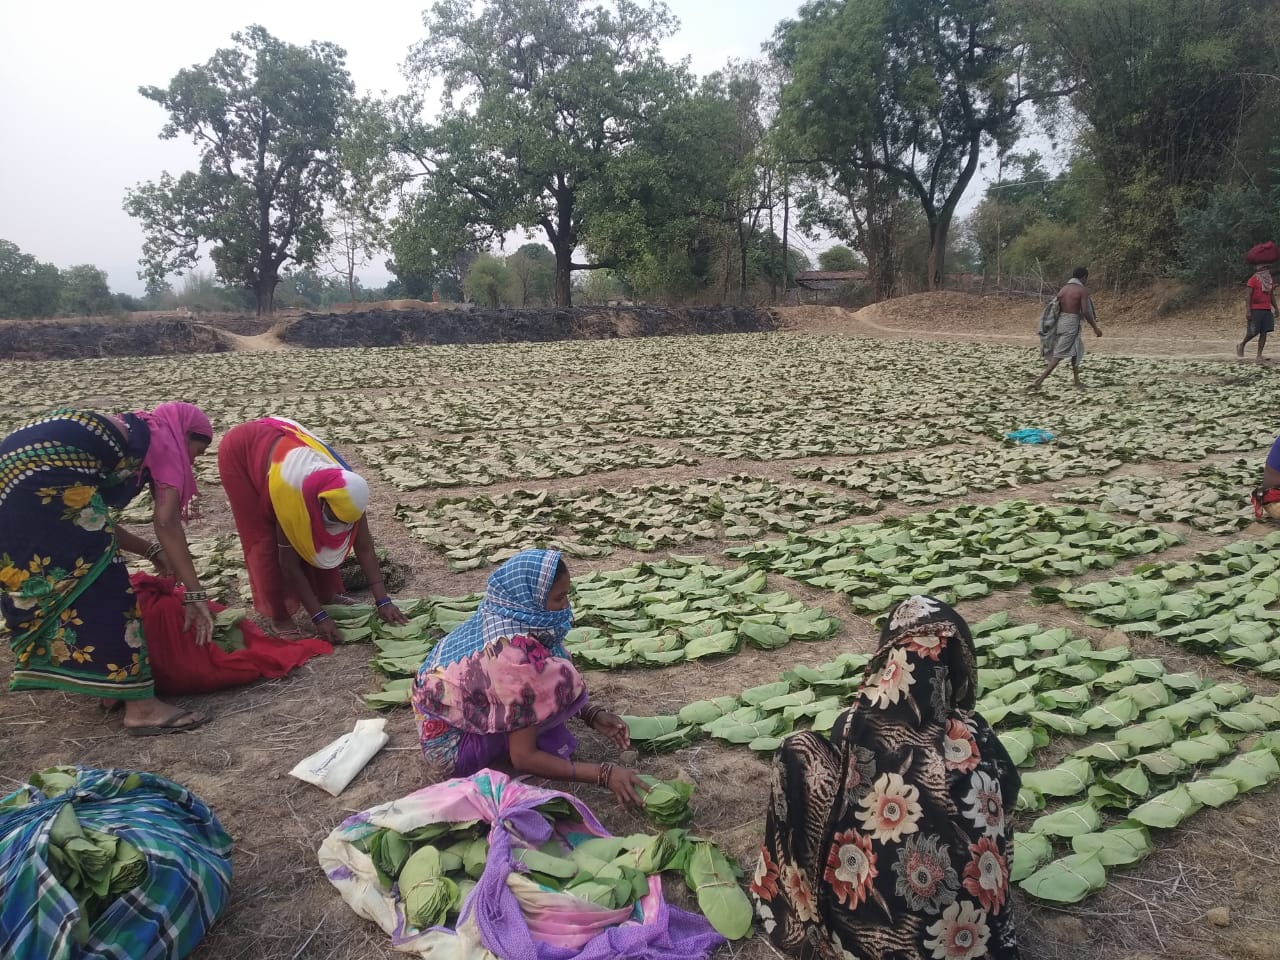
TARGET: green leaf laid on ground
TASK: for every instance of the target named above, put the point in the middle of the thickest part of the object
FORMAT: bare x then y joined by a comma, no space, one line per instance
954,554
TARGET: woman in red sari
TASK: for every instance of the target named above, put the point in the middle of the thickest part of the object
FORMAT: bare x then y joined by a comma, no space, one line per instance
299,510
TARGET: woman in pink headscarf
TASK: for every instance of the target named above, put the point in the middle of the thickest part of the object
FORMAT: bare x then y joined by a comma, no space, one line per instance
71,614
299,510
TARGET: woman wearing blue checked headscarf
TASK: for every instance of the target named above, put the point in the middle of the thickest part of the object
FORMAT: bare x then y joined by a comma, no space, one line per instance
502,686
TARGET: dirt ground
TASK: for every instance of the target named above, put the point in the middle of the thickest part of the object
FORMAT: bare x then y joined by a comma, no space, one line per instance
283,908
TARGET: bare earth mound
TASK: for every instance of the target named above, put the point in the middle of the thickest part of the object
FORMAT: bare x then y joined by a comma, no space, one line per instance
387,328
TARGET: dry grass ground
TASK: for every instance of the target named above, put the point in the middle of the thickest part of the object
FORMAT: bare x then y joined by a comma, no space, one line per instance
283,908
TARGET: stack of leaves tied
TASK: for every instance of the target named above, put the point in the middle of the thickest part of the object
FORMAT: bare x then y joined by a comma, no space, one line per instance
667,802
613,872
436,866
94,867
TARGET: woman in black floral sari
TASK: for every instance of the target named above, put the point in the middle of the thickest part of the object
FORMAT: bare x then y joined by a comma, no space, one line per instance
890,841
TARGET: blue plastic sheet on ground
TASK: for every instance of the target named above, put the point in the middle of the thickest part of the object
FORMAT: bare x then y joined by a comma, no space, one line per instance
1030,435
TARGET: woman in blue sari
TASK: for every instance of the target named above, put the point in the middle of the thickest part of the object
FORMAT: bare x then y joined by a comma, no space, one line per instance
71,614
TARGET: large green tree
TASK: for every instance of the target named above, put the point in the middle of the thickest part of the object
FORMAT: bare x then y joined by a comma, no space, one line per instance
1170,91
85,291
267,118
889,98
28,287
540,97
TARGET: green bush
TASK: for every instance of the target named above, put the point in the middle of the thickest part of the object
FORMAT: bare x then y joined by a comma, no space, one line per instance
1217,234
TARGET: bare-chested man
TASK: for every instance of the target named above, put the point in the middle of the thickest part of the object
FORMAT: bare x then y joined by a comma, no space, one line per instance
1063,339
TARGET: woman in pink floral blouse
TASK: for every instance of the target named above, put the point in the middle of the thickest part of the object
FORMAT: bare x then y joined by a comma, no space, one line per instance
892,840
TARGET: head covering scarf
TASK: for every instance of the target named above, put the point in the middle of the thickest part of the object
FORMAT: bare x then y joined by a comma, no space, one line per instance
891,839
514,604
167,458
304,476
503,669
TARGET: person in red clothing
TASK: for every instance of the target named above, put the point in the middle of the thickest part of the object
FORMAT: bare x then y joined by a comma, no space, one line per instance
1260,308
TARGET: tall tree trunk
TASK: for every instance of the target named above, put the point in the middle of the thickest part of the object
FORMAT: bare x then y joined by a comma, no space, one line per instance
564,274
786,225
938,251
773,241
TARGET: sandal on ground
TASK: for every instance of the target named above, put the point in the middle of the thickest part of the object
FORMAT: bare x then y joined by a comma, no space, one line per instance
172,725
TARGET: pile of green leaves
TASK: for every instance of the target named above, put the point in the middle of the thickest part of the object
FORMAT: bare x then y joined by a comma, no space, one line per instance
613,872
572,451
1141,741
805,698
486,530
93,866
683,609
1214,498
955,554
434,867
667,802
1220,603
944,475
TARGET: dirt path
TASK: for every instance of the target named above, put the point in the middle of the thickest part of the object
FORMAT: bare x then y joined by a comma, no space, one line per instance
263,343
965,318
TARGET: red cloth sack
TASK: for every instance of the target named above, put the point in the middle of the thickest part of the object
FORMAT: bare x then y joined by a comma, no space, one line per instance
1263,253
179,666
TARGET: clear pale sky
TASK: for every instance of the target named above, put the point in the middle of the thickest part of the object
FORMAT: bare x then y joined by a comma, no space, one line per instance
75,133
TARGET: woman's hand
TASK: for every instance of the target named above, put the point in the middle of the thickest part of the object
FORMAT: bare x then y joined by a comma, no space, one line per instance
627,787
614,727
326,629
198,616
390,613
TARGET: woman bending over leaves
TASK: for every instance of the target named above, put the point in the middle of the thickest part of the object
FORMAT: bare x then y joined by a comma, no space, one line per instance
72,617
502,686
891,841
299,510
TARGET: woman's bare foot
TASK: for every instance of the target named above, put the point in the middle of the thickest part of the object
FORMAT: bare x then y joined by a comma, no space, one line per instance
342,600
286,630
109,705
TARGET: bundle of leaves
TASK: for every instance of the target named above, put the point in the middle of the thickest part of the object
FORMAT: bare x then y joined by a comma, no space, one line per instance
93,866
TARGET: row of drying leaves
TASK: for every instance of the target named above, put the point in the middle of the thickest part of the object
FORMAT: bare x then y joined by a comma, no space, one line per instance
744,397
1154,747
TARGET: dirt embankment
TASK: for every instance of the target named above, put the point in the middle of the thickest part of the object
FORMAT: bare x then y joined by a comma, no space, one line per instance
386,328
107,337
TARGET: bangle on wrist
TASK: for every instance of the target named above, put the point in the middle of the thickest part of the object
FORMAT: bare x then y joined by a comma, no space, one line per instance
319,617
602,777
573,771
196,596
384,602
153,551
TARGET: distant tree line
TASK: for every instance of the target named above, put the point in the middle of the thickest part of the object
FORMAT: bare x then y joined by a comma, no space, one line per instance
864,122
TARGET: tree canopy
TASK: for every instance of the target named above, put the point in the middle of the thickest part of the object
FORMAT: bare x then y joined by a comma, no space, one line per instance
541,97
891,98
267,118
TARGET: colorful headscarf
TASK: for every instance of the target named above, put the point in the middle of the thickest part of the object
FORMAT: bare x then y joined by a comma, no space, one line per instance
1265,280
515,604
167,459
304,476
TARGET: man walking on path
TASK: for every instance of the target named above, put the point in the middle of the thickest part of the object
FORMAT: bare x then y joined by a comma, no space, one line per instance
1259,309
1062,327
